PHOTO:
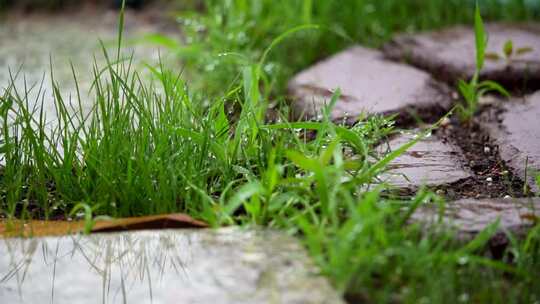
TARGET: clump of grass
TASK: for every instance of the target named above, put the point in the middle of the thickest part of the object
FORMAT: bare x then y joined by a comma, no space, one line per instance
154,148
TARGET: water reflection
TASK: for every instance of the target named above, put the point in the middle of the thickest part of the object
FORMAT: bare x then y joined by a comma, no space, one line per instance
130,268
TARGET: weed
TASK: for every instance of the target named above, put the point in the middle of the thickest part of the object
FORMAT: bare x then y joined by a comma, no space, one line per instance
509,52
473,90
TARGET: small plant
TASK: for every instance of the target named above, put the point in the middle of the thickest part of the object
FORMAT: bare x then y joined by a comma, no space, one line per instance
473,90
509,52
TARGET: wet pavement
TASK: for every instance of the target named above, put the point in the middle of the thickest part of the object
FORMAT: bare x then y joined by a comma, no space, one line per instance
228,265
31,44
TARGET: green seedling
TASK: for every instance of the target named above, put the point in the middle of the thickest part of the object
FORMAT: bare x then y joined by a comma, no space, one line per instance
473,90
509,52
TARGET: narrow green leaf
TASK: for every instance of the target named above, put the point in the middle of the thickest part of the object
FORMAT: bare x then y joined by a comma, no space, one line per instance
302,161
508,48
482,238
480,37
489,85
241,195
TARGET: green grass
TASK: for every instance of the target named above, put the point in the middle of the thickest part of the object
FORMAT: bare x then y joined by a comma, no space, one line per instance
204,147
229,34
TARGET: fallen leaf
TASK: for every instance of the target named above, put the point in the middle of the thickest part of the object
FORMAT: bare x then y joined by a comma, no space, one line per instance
35,228
165,221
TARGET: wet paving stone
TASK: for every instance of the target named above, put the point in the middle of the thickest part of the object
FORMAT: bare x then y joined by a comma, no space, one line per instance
517,135
450,54
228,265
470,216
368,84
31,44
431,162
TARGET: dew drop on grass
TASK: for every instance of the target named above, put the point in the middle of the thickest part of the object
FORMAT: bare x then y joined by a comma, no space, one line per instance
463,260
269,68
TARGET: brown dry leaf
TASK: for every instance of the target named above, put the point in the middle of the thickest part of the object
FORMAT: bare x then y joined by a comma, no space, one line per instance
19,228
164,221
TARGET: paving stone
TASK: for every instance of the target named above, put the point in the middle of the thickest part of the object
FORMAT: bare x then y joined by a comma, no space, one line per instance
167,266
33,42
469,216
450,54
430,162
368,84
518,137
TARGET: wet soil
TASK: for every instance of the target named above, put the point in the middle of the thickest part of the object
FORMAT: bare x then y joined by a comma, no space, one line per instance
492,177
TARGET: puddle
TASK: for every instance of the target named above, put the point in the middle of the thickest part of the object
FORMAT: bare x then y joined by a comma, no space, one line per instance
169,266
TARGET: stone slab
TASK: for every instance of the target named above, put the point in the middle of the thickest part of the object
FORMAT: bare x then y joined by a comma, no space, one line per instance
469,216
368,84
518,137
228,265
450,54
430,162
30,44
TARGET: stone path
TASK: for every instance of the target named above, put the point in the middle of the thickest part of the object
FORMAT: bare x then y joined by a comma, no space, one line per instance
450,54
168,266
402,80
